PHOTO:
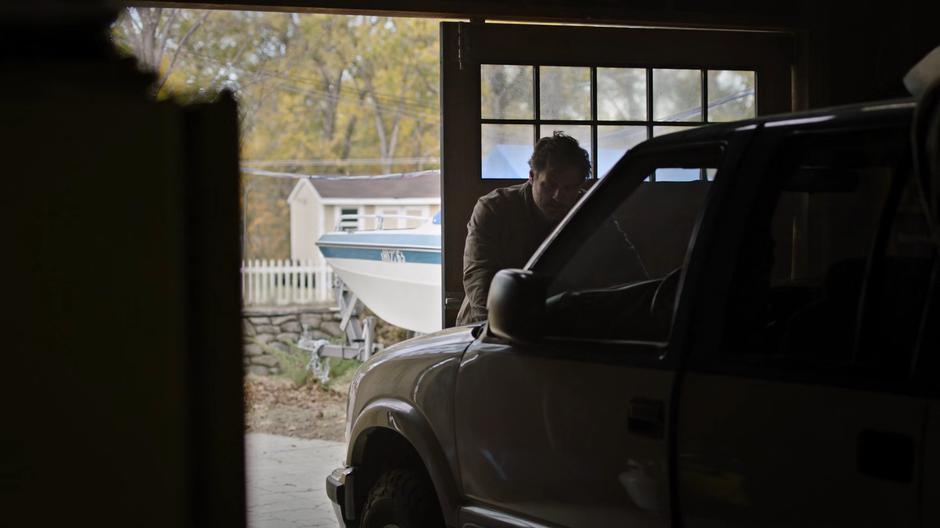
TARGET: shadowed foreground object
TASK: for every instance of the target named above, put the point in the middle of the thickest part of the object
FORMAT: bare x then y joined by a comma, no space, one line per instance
123,290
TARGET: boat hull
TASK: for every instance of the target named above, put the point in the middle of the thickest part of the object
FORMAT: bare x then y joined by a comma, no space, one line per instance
400,283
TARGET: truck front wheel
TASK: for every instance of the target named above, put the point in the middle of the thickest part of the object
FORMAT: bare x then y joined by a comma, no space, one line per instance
402,498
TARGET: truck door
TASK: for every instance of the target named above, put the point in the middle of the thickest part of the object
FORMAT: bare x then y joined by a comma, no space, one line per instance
806,412
505,85
927,133
929,367
574,430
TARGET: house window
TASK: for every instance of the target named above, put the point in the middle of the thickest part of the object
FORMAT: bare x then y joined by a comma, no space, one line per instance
388,218
608,110
415,215
348,219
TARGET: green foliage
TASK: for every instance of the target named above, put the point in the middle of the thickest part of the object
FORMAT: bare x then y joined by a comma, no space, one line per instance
317,94
342,370
293,363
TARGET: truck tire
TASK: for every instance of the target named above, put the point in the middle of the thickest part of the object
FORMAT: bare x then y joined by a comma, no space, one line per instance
402,498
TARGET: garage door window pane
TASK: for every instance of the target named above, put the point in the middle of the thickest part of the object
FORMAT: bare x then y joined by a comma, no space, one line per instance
674,175
613,142
506,151
730,95
677,175
621,94
663,130
677,95
564,93
580,132
506,91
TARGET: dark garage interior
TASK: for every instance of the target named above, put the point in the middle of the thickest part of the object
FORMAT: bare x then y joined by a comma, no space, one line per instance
162,444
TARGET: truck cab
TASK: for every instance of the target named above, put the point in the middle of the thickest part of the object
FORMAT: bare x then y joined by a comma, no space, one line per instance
732,327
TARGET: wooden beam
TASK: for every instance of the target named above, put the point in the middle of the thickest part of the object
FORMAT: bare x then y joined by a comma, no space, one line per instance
758,16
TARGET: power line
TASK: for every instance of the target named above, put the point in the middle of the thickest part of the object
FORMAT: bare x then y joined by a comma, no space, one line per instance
416,106
339,162
295,176
417,116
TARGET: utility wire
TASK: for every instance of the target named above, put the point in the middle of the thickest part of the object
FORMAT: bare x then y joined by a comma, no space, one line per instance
418,116
416,106
295,176
338,162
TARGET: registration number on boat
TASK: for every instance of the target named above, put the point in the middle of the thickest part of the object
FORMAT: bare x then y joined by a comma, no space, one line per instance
392,255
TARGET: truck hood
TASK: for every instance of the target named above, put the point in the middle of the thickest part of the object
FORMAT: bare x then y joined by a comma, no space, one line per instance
449,341
421,371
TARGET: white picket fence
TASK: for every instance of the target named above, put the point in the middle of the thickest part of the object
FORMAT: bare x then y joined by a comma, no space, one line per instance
280,282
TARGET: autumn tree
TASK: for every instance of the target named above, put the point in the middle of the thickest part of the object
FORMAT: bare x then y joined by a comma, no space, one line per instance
326,94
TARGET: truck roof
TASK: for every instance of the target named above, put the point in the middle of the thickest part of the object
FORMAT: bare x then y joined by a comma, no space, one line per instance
897,112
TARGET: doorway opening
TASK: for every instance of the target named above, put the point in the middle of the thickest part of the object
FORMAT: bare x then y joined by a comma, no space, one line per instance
339,136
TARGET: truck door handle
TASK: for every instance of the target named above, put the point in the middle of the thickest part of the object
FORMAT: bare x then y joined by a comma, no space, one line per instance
646,417
886,455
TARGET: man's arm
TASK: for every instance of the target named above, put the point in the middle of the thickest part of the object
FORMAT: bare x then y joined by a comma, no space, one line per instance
481,260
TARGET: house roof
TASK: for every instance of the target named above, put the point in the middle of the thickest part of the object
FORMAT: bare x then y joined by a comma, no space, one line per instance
425,184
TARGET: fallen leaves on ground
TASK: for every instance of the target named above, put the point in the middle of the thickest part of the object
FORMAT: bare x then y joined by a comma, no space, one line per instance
275,405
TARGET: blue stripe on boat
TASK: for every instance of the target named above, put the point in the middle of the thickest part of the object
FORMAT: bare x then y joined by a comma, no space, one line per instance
391,254
403,239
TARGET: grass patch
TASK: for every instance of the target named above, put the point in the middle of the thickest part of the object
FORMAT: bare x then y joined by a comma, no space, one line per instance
341,371
293,363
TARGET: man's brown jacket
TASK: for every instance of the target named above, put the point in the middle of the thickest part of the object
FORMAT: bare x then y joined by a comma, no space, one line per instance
505,229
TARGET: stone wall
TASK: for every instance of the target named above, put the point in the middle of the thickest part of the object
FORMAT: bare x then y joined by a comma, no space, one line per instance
278,328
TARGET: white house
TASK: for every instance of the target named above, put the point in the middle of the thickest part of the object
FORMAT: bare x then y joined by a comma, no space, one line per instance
317,202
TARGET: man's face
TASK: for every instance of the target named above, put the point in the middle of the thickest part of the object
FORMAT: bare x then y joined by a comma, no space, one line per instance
555,190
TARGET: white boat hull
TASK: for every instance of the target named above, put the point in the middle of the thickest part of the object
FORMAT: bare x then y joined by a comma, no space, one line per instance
395,273
404,294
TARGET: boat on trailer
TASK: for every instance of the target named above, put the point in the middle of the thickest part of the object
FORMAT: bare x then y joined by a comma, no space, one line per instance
396,273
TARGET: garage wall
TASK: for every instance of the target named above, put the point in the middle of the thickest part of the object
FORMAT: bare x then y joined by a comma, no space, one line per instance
860,52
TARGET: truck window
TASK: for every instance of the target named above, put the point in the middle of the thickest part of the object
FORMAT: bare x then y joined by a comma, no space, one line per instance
897,288
620,282
832,269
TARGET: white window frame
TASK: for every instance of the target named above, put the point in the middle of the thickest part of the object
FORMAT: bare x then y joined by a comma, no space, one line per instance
342,225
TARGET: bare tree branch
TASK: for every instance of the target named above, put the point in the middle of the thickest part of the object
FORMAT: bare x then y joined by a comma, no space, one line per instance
133,15
179,47
165,34
153,21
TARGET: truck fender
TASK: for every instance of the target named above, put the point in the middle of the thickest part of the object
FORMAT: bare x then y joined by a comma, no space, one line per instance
403,418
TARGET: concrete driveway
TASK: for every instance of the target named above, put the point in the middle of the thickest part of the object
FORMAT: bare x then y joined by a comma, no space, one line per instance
286,481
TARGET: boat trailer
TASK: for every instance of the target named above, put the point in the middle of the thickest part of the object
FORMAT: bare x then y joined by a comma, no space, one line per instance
359,333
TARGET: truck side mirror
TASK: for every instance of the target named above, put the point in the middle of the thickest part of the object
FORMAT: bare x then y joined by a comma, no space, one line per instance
516,305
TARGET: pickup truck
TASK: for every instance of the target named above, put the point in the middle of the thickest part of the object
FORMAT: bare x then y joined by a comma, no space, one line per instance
757,347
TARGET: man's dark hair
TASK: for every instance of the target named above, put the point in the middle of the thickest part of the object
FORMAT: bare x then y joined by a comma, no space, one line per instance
560,150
